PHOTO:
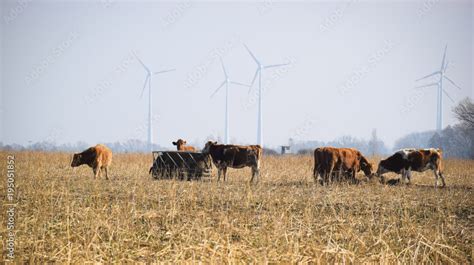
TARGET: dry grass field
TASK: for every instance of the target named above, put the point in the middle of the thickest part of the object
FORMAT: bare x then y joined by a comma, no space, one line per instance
64,215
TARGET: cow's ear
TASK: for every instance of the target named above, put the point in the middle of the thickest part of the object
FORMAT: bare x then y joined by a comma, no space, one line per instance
174,143
215,142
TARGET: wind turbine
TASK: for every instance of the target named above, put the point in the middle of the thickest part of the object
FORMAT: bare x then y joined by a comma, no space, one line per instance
226,82
260,68
442,75
149,75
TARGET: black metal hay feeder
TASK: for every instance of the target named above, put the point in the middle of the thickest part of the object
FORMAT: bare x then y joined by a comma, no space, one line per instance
180,165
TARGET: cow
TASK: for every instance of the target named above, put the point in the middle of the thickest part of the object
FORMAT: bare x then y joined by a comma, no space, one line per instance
406,160
234,156
97,157
181,146
332,162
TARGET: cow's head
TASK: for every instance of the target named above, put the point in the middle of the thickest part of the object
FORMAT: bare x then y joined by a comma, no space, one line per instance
76,160
381,170
179,143
367,168
208,146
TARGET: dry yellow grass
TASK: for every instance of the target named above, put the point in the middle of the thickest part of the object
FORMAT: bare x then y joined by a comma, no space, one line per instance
64,215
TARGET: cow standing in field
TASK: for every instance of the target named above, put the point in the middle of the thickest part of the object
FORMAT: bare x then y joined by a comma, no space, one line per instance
406,160
234,156
97,157
181,146
333,162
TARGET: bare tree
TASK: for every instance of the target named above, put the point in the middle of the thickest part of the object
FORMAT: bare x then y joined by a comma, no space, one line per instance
464,112
373,143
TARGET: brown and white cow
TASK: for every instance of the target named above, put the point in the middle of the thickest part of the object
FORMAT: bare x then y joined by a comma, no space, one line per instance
333,162
181,146
97,157
234,156
406,160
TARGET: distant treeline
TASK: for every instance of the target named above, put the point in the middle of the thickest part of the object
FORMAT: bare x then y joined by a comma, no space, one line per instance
369,147
129,146
456,141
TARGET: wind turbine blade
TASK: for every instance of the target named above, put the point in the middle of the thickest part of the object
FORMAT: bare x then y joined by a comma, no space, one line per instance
446,67
426,76
164,71
144,66
451,81
275,65
251,54
432,84
446,93
444,57
253,80
223,67
240,84
144,85
217,90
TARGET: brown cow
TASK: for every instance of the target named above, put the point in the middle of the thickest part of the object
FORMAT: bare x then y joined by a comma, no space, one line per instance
97,157
181,146
406,160
234,156
332,162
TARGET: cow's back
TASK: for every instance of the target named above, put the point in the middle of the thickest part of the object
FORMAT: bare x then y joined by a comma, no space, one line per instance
423,159
349,157
240,157
258,150
328,157
88,157
236,156
321,159
104,155
395,162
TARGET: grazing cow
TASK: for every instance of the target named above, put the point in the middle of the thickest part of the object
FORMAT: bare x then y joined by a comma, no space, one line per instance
181,146
97,157
330,161
406,160
234,156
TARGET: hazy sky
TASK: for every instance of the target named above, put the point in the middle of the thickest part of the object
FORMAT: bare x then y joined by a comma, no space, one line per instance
68,75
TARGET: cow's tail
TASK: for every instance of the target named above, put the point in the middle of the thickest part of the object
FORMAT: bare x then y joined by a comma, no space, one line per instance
439,160
316,164
259,151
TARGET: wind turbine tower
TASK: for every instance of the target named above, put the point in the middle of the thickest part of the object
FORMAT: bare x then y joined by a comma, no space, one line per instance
441,74
226,82
260,68
149,75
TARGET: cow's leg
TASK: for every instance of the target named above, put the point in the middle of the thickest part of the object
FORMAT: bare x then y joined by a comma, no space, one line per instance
438,174
106,173
329,175
218,174
408,176
353,176
322,177
442,178
403,172
224,171
96,171
436,178
255,173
